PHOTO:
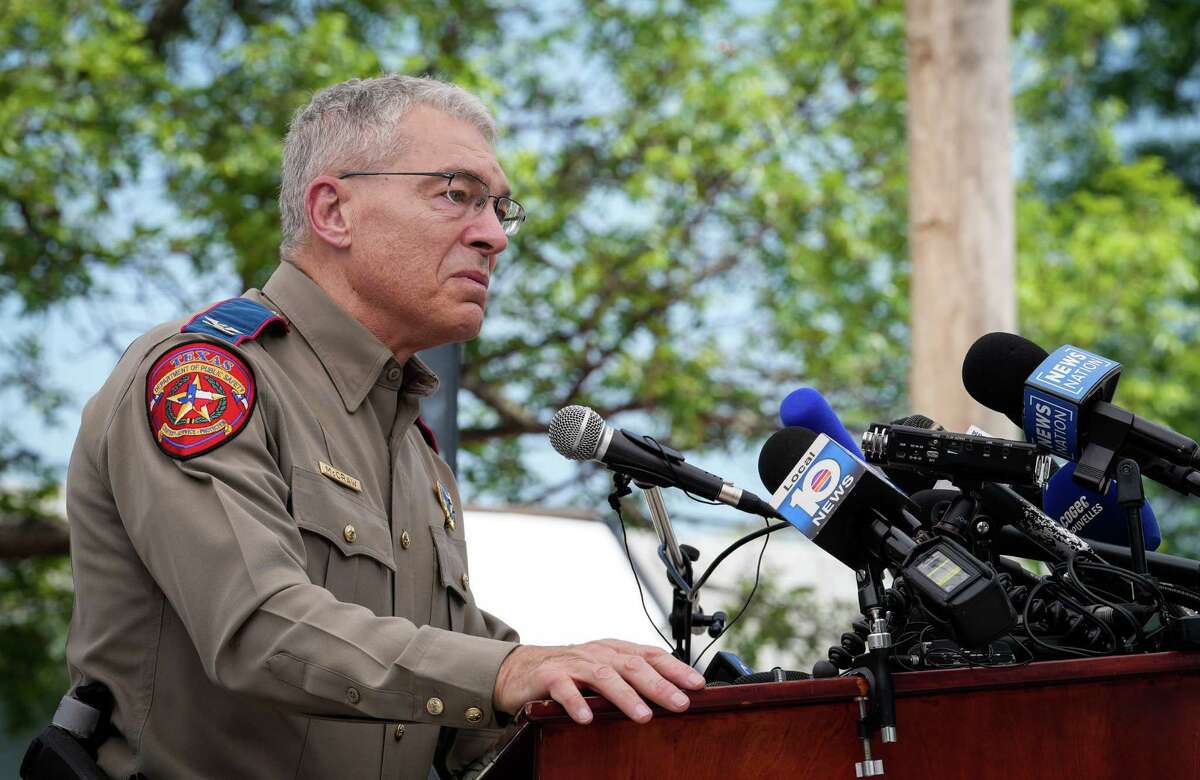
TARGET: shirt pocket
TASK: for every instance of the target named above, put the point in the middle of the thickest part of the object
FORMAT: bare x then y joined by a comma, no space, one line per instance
452,572
347,542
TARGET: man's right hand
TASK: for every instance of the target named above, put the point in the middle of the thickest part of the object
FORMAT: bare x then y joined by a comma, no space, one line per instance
622,672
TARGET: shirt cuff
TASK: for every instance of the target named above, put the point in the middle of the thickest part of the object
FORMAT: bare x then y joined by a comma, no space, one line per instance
455,679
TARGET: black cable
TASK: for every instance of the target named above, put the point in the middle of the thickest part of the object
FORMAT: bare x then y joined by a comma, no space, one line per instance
757,571
750,537
1083,611
1021,645
724,553
1133,578
1081,586
1117,608
695,589
1179,592
614,500
1136,581
1053,648
671,467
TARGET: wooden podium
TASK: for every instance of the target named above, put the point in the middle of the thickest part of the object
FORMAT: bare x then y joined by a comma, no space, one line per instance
1121,718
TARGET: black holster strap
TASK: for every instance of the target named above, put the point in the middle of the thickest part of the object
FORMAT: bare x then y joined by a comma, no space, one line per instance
56,755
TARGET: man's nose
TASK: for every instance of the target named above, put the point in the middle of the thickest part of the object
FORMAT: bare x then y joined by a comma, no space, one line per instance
485,234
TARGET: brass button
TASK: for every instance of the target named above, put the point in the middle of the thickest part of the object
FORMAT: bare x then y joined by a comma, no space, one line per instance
434,706
398,734
474,714
466,581
405,540
352,695
349,534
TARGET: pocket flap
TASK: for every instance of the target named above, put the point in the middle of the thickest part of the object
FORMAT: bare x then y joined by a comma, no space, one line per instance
325,508
452,563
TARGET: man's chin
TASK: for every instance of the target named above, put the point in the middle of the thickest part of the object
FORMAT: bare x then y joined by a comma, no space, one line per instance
470,323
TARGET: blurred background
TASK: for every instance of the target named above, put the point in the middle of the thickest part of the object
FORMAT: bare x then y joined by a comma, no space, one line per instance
724,206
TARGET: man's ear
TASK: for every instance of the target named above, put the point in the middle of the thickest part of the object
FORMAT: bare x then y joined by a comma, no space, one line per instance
326,203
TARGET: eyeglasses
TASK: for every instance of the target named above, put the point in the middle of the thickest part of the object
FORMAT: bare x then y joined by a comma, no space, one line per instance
466,190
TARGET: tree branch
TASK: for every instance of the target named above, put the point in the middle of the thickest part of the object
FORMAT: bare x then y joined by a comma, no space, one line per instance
168,20
30,221
474,435
33,539
515,419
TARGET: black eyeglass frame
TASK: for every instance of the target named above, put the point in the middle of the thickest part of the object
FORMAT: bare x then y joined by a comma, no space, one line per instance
449,176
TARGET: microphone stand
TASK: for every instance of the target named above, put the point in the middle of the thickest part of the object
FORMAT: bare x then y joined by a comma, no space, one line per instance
1110,426
1131,498
662,525
687,617
879,712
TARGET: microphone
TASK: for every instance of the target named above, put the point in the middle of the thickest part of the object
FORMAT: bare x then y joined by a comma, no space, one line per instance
1061,401
1017,509
1168,568
851,512
807,408
812,478
1025,515
1092,515
579,433
953,456
912,482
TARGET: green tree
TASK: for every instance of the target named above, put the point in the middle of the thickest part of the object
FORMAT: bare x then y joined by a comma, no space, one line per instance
1152,68
1109,231
716,195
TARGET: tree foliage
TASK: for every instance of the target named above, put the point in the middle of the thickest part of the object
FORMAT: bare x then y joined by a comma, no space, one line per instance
1109,229
716,190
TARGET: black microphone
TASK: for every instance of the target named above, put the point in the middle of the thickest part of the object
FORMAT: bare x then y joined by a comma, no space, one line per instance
906,479
1168,568
579,433
814,479
807,408
857,516
953,456
1061,401
985,471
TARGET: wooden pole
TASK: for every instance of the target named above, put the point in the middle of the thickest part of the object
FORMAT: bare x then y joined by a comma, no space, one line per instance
961,198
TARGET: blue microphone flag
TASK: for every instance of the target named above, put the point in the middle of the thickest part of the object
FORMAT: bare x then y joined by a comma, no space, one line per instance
817,485
1057,390
1094,516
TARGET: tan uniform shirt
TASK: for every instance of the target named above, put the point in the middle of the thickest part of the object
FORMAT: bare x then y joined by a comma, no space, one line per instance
255,617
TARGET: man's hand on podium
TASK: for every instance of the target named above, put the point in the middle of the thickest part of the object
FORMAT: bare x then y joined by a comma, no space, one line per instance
617,670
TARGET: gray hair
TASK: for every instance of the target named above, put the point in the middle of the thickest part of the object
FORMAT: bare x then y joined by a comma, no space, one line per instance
354,125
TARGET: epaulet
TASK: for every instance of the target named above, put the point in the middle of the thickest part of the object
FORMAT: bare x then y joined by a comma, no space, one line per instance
234,320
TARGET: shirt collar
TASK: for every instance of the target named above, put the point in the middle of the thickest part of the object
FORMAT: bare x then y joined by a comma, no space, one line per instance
353,357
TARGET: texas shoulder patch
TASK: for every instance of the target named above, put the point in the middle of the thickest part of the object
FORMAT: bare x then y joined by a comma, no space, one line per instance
198,397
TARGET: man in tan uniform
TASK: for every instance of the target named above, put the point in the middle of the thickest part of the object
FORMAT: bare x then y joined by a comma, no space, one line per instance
269,559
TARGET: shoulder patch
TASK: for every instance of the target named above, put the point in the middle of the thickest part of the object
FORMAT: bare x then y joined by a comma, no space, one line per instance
198,397
234,320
